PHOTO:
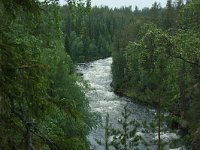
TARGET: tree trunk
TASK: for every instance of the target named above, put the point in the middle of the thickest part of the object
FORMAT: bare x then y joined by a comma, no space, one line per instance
159,123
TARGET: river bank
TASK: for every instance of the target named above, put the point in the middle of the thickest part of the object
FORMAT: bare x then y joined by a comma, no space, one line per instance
128,93
175,123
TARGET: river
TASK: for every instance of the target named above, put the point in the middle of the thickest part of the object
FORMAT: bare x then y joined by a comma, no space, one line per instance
103,100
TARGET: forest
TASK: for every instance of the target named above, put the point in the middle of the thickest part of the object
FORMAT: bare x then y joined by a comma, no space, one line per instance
155,62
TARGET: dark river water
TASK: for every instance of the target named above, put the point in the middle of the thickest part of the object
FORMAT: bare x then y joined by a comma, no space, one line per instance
103,100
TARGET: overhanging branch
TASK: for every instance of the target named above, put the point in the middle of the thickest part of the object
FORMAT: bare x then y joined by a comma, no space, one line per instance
184,59
33,127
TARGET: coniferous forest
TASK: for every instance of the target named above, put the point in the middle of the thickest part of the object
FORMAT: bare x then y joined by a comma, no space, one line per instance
155,62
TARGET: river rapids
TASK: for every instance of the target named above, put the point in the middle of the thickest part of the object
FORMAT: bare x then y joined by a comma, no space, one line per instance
103,100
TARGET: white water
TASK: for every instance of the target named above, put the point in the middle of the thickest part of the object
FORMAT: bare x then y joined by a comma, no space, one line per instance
104,100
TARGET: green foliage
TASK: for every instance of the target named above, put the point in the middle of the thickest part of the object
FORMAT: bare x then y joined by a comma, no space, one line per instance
161,66
41,105
156,58
95,29
125,137
106,143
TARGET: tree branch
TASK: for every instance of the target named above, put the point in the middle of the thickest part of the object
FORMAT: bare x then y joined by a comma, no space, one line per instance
185,60
32,127
32,66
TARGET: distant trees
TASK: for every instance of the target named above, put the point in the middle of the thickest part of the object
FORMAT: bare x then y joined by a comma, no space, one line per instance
100,26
